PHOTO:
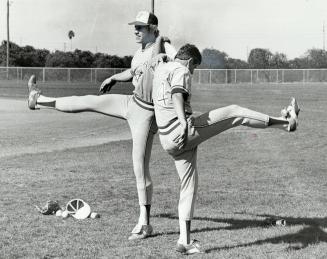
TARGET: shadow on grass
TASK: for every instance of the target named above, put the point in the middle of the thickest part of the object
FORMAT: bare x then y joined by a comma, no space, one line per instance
233,224
305,237
311,234
320,222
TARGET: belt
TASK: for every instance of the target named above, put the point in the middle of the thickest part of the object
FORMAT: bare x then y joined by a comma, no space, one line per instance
169,127
143,104
172,124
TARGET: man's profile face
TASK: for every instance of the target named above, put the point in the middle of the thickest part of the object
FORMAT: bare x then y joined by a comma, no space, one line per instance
192,65
142,34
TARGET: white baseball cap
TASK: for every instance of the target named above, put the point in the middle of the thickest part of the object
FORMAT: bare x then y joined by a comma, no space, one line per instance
78,208
144,18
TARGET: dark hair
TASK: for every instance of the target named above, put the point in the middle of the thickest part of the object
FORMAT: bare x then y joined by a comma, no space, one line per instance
153,29
189,51
153,24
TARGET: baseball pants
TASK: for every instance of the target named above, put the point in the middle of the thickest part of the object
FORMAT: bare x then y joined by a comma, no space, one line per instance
201,129
140,118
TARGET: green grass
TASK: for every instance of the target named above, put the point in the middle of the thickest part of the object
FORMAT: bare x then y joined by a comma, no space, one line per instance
246,175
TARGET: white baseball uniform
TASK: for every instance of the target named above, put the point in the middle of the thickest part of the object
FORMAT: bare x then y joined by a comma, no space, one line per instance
171,78
137,109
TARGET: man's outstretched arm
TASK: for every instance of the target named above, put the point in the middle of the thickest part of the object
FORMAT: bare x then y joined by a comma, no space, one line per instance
124,76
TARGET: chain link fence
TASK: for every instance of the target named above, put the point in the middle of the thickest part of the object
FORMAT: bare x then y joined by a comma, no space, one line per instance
254,76
201,76
65,75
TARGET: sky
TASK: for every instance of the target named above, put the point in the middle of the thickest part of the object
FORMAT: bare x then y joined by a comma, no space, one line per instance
232,26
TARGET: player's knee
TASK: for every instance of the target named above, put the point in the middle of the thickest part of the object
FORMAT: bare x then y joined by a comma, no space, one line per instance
234,108
236,111
91,102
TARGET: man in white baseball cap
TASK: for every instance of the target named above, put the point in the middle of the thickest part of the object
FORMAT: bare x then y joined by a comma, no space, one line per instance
144,18
137,109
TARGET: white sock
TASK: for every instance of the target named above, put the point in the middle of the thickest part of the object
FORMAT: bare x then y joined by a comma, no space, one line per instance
46,101
144,217
184,232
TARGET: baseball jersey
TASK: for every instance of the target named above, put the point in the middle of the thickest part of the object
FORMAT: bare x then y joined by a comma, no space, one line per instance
141,59
170,78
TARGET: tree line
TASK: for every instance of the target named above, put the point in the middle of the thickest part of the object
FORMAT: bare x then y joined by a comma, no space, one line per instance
258,58
29,56
264,59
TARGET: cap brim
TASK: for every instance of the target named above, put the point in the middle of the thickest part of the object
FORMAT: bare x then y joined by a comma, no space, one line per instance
138,23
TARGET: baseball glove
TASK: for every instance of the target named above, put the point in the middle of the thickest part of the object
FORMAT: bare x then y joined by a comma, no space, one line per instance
49,208
106,86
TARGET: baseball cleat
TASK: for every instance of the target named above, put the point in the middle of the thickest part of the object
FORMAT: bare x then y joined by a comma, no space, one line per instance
141,232
192,248
292,116
33,92
284,113
293,105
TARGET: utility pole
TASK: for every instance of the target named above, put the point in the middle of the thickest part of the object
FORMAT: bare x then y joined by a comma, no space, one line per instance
7,36
323,35
247,53
152,6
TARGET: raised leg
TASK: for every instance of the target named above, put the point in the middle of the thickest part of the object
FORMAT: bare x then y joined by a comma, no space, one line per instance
112,105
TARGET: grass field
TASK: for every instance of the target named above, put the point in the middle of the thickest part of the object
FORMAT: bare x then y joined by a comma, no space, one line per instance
246,176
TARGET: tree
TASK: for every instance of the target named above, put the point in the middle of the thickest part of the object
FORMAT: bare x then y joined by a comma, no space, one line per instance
259,58
279,60
236,64
99,59
26,56
71,35
317,58
115,61
298,63
60,59
3,53
127,60
313,58
41,57
30,57
212,58
104,60
83,58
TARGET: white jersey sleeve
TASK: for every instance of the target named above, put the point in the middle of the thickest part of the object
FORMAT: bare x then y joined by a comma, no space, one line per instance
170,50
180,81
